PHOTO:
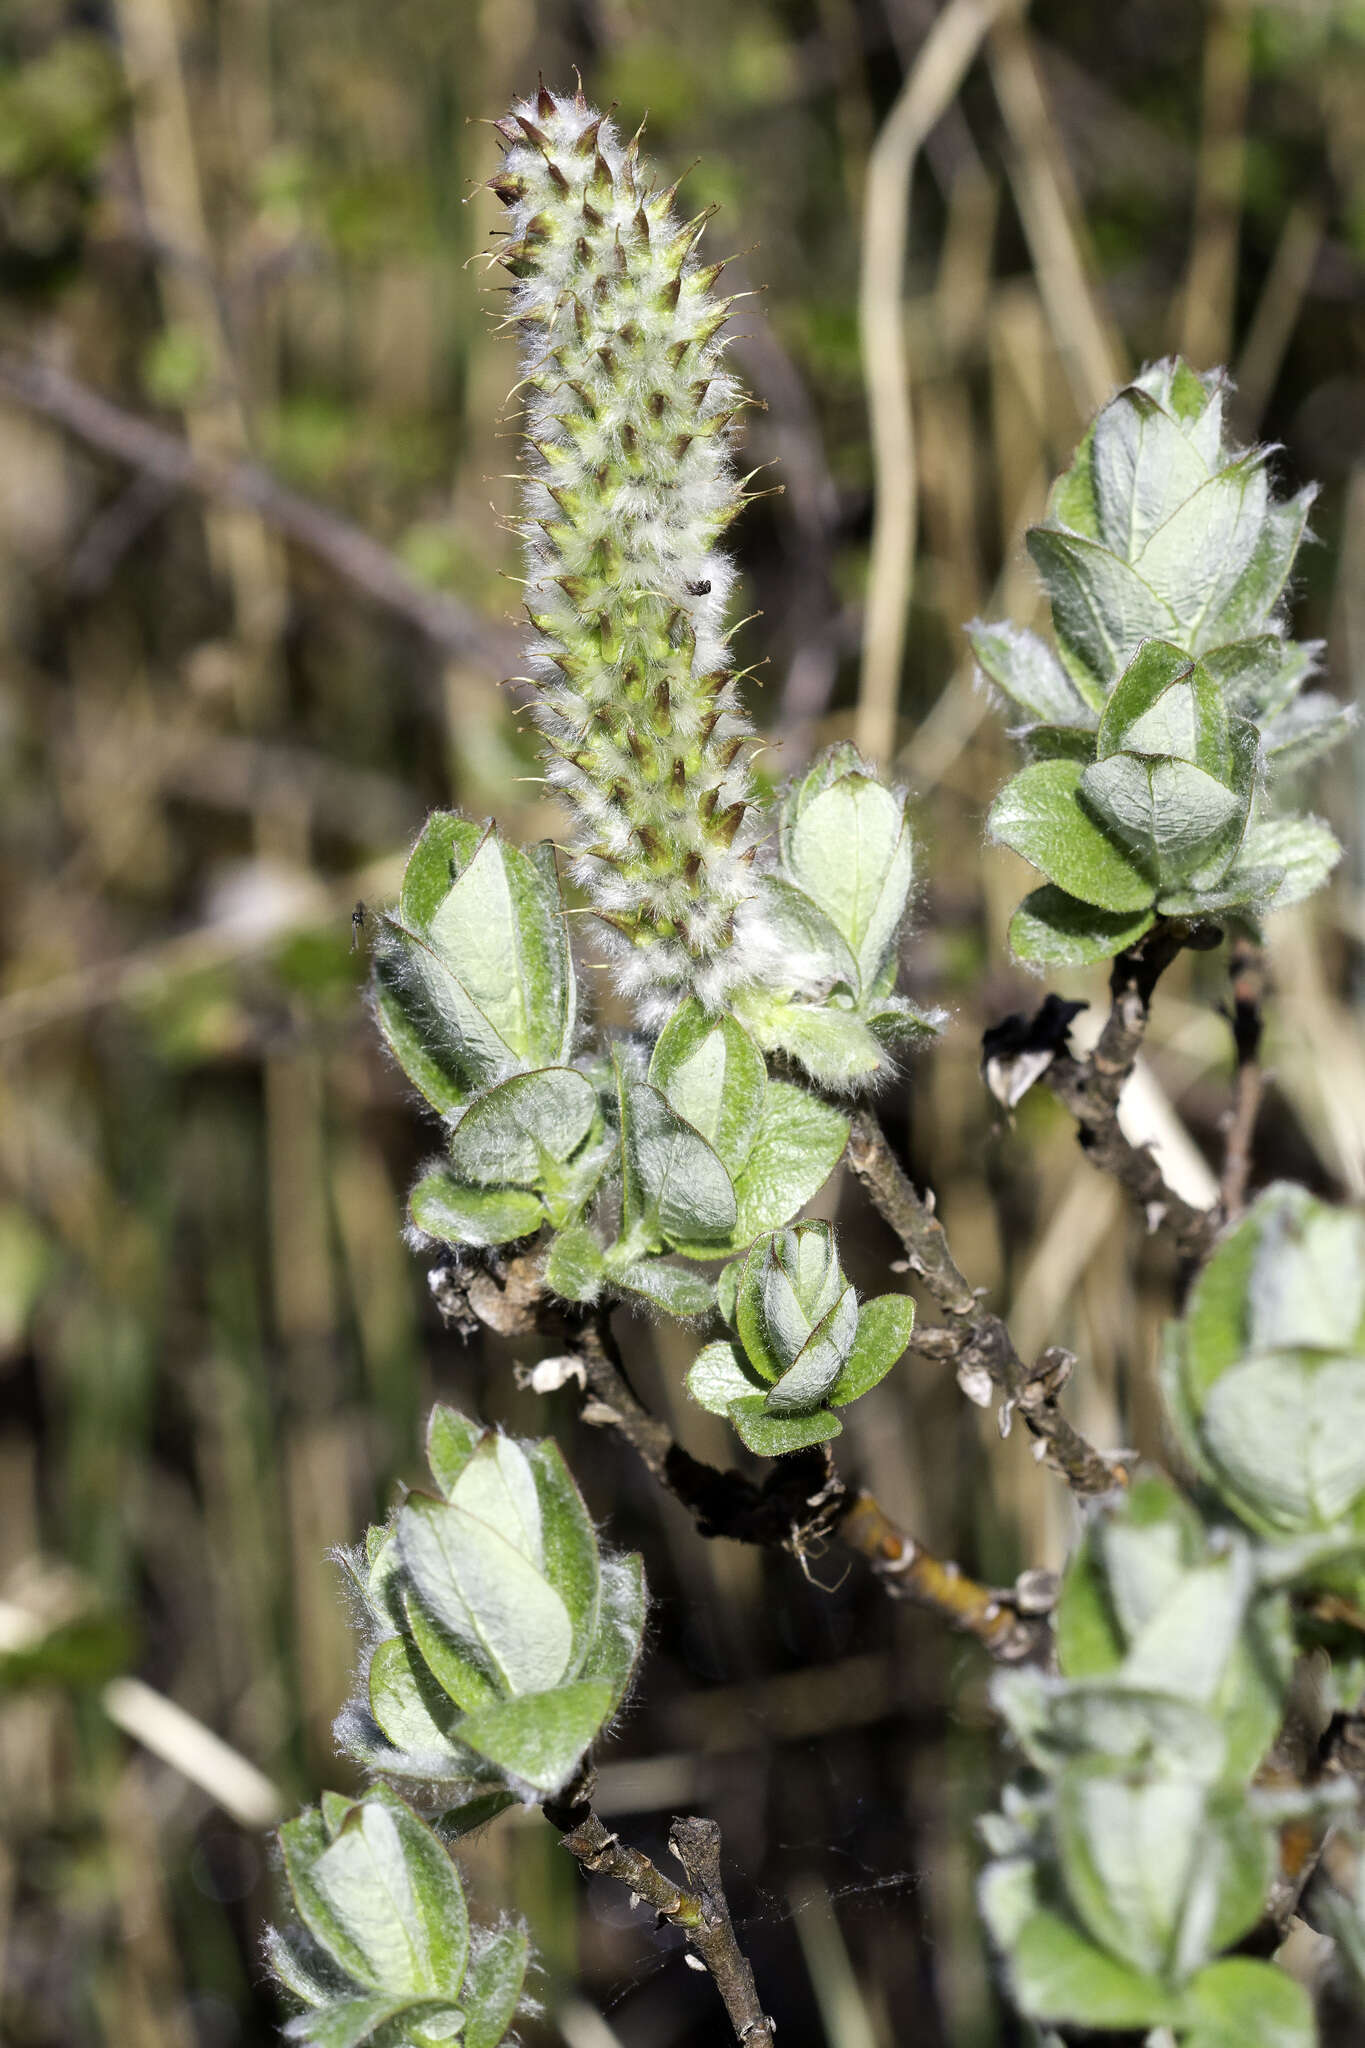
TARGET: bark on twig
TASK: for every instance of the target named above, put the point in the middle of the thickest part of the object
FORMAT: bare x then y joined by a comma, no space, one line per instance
1090,1087
976,1340
1247,970
170,462
700,1911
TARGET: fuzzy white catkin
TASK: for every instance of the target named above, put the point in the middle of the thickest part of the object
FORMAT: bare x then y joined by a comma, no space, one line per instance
629,424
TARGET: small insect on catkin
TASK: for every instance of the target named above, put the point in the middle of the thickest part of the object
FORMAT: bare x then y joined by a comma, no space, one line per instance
629,422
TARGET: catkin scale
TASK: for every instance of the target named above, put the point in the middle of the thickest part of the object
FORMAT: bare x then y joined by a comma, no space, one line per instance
630,420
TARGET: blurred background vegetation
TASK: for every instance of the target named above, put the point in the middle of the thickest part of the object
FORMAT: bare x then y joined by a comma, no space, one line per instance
247,225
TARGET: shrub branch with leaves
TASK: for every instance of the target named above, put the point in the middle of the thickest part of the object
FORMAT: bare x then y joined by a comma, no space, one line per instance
1150,1852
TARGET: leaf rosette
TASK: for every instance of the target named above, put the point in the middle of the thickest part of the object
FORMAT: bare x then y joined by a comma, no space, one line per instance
506,1639
383,1951
1174,703
804,1344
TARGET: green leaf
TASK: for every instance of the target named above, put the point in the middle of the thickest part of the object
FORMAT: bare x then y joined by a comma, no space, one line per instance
1285,1435
1166,704
408,1706
832,1043
1144,468
1056,1974
1039,816
713,1076
820,956
518,1133
1197,558
819,1361
414,1033
464,1676
717,1377
615,1651
884,1328
349,2022
482,1587
384,1898
1053,929
1027,670
447,844
675,1188
1239,2003
500,933
1248,606
772,1436
568,1541
447,1210
674,1289
850,852
540,1736
799,1143
452,1440
1303,851
1304,731
1128,1851
574,1265
1175,822
493,1985
1101,607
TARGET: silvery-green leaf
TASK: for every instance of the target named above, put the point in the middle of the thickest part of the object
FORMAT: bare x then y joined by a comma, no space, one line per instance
1249,605
414,1032
717,1378
1101,606
306,1971
1144,468
486,1592
412,1711
1305,730
799,1143
1039,815
574,1265
884,1328
1285,1434
475,1812
493,1985
1307,1285
569,1544
1197,558
786,1323
1303,851
1144,1545
773,1436
821,1359
1057,742
1185,1646
1261,676
1090,1637
675,1187
1057,1723
387,1883
350,2022
518,1133
896,1021
452,1440
749,1319
1176,823
539,1737
850,852
1127,1849
1241,889
460,1670
500,1487
1229,1882
500,931
1241,2003
454,1213
1056,1974
1071,501
444,849
1026,669
615,1650
828,767
677,1290
819,956
713,1076
1053,929
832,1043
1164,703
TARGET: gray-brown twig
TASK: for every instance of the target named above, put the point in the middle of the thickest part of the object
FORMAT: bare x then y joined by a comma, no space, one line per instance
1246,968
975,1339
700,1912
173,464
